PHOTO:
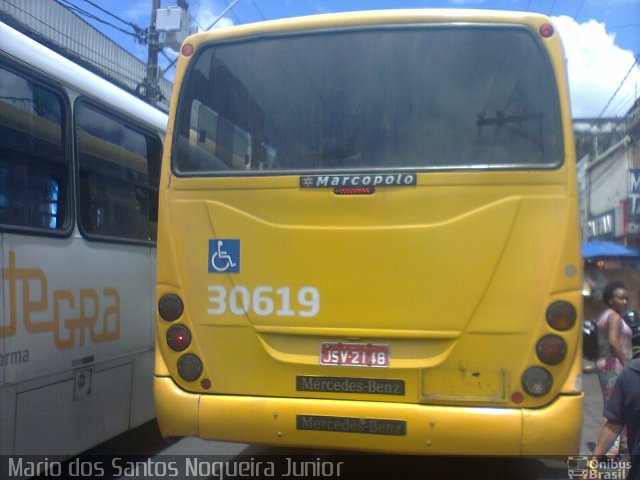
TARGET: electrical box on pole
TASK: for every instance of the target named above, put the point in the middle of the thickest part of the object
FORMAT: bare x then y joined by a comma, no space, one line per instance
174,23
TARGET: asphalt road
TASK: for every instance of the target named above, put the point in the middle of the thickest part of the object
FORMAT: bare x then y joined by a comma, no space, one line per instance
592,420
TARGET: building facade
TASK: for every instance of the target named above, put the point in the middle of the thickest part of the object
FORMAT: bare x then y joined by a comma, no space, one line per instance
608,153
59,28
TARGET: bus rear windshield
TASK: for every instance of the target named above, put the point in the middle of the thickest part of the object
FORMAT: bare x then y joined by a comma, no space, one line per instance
458,97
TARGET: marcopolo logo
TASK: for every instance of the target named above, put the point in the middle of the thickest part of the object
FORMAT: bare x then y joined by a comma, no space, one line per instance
364,180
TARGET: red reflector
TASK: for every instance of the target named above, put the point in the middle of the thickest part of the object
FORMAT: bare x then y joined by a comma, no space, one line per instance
517,397
187,50
354,190
546,30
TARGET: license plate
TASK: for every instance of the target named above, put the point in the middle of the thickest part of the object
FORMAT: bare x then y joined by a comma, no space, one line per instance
354,354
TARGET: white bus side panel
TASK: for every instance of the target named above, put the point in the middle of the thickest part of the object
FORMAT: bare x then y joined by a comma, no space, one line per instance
76,303
79,348
66,424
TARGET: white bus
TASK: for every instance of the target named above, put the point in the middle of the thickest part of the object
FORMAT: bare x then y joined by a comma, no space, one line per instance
79,173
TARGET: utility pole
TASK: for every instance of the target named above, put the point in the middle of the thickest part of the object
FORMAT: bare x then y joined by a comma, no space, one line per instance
151,89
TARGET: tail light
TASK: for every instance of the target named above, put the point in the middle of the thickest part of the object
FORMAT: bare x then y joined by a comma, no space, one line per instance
537,381
551,349
561,315
170,307
354,190
178,338
189,367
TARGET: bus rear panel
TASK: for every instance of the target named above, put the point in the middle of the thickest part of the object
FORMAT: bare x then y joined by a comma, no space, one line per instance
368,237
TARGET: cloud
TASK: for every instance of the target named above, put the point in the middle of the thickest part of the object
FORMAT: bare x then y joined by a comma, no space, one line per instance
207,13
596,67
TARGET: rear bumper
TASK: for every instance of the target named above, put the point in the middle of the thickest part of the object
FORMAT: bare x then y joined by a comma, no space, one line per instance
338,424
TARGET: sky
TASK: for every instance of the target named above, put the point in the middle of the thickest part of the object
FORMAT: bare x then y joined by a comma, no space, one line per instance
601,38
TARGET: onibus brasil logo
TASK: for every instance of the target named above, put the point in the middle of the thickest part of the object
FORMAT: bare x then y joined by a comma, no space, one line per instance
590,468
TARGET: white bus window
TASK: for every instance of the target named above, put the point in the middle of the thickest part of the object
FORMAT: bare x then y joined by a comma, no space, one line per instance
119,175
34,168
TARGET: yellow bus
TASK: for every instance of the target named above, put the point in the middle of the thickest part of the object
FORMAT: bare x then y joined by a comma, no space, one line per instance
368,236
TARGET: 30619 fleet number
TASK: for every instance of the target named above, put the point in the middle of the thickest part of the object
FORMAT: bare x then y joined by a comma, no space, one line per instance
264,301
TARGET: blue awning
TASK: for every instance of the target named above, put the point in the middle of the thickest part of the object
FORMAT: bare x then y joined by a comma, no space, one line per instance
602,249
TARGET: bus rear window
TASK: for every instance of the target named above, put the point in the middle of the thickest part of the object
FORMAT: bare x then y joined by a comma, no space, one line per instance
411,97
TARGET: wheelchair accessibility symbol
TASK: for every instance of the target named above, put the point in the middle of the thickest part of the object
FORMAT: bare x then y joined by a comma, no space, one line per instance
224,256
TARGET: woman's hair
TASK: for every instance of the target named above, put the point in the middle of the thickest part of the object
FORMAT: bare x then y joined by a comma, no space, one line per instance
607,293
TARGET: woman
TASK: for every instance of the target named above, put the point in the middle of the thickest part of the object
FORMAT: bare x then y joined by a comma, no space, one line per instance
614,343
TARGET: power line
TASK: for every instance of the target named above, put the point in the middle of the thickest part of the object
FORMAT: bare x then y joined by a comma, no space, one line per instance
258,9
132,25
621,106
76,54
219,17
74,8
628,25
234,14
619,86
575,15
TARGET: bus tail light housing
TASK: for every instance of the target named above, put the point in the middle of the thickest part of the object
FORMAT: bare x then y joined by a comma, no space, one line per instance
170,307
178,338
561,315
551,349
189,367
537,381
354,190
